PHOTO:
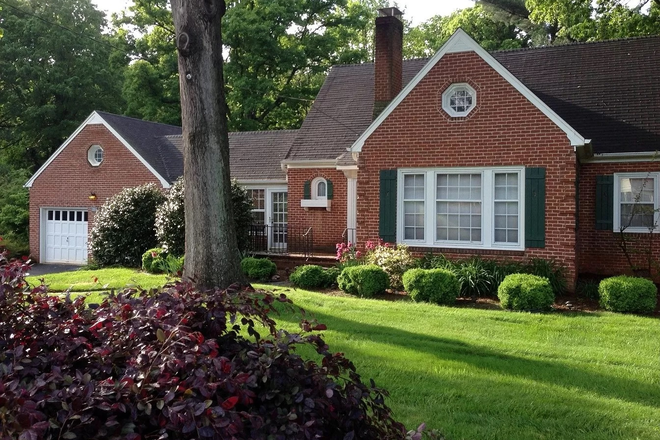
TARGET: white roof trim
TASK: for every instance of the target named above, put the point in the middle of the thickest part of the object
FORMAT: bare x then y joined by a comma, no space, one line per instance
96,119
321,163
460,41
644,156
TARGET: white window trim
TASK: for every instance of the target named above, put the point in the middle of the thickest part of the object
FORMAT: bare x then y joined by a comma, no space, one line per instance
487,214
91,155
617,200
446,95
317,201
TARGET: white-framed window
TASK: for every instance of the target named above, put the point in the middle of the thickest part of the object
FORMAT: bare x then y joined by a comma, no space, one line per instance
95,155
258,197
319,189
459,99
636,203
461,207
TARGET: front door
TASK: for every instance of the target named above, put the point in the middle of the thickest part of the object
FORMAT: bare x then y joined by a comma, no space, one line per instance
278,220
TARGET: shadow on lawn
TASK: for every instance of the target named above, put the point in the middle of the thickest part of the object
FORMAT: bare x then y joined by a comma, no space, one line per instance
553,373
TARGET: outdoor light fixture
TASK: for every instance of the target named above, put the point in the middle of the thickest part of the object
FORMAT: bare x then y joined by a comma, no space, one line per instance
92,196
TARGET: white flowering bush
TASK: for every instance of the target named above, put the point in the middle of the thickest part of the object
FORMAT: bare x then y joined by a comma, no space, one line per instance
124,226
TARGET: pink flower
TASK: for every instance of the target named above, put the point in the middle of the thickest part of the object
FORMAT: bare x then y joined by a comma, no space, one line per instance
358,254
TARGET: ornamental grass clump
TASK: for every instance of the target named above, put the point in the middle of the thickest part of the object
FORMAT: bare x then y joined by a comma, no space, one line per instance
175,364
366,281
524,292
628,294
438,286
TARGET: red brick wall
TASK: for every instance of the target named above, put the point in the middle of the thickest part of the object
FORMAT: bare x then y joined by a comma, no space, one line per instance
69,180
599,250
328,226
503,130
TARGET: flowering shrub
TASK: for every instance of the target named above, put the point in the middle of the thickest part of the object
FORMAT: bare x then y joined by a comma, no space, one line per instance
394,260
179,364
124,226
347,254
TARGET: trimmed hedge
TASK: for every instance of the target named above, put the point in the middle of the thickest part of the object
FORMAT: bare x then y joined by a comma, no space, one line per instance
628,294
258,268
526,292
312,276
439,286
366,280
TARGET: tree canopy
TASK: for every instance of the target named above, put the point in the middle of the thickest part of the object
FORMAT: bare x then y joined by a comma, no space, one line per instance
56,68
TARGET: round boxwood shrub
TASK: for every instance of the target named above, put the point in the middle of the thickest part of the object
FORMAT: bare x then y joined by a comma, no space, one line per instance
124,226
365,280
439,286
173,365
628,294
150,256
525,292
171,222
258,268
311,276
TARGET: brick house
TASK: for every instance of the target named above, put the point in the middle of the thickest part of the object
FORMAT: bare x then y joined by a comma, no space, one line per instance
517,154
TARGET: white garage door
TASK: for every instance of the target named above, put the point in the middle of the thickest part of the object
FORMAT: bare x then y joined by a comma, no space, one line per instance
66,235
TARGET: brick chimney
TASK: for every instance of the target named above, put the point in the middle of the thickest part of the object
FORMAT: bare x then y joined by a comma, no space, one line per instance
389,58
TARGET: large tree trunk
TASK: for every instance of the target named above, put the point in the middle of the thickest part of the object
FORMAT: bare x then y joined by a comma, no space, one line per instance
212,257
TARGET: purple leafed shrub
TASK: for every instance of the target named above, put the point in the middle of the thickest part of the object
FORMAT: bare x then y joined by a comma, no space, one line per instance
178,364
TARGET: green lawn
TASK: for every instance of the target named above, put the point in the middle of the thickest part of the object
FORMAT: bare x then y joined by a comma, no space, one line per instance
489,374
102,279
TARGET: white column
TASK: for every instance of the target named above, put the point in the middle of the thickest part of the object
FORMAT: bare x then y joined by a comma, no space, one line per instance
351,208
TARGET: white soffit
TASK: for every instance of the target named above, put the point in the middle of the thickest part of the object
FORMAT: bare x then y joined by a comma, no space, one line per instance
460,41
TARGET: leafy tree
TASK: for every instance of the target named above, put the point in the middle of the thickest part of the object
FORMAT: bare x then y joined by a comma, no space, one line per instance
14,209
278,52
425,39
55,65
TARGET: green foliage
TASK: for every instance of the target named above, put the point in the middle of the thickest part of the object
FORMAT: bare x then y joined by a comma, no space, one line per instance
365,280
427,38
260,269
525,292
170,218
311,276
628,294
475,277
439,286
587,289
14,208
550,269
150,256
55,64
394,260
124,226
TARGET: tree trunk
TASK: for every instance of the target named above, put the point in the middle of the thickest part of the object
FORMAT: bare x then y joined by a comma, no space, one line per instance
212,257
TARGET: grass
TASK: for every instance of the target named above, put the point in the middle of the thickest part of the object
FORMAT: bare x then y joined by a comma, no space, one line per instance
488,374
97,280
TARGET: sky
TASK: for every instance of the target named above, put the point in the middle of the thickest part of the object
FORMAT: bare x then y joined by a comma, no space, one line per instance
416,10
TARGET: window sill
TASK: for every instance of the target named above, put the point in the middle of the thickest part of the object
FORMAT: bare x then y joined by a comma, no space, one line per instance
462,247
322,203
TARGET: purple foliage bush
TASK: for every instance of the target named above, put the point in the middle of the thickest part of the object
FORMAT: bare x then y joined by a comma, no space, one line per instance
173,364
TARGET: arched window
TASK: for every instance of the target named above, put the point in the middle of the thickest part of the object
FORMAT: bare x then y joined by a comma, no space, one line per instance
319,188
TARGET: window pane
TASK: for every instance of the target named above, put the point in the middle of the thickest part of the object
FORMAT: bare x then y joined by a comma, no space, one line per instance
637,215
458,217
507,195
637,202
320,189
634,190
413,206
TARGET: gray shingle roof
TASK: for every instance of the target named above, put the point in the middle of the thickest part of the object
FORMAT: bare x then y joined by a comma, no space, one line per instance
253,155
608,91
147,139
342,110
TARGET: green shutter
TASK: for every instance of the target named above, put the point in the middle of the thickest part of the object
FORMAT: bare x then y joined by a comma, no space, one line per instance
605,203
387,219
307,190
329,189
535,207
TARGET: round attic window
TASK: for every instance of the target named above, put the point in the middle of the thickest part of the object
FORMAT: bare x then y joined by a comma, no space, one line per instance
459,100
95,155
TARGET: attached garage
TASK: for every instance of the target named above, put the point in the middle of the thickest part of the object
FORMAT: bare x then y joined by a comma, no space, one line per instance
64,239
